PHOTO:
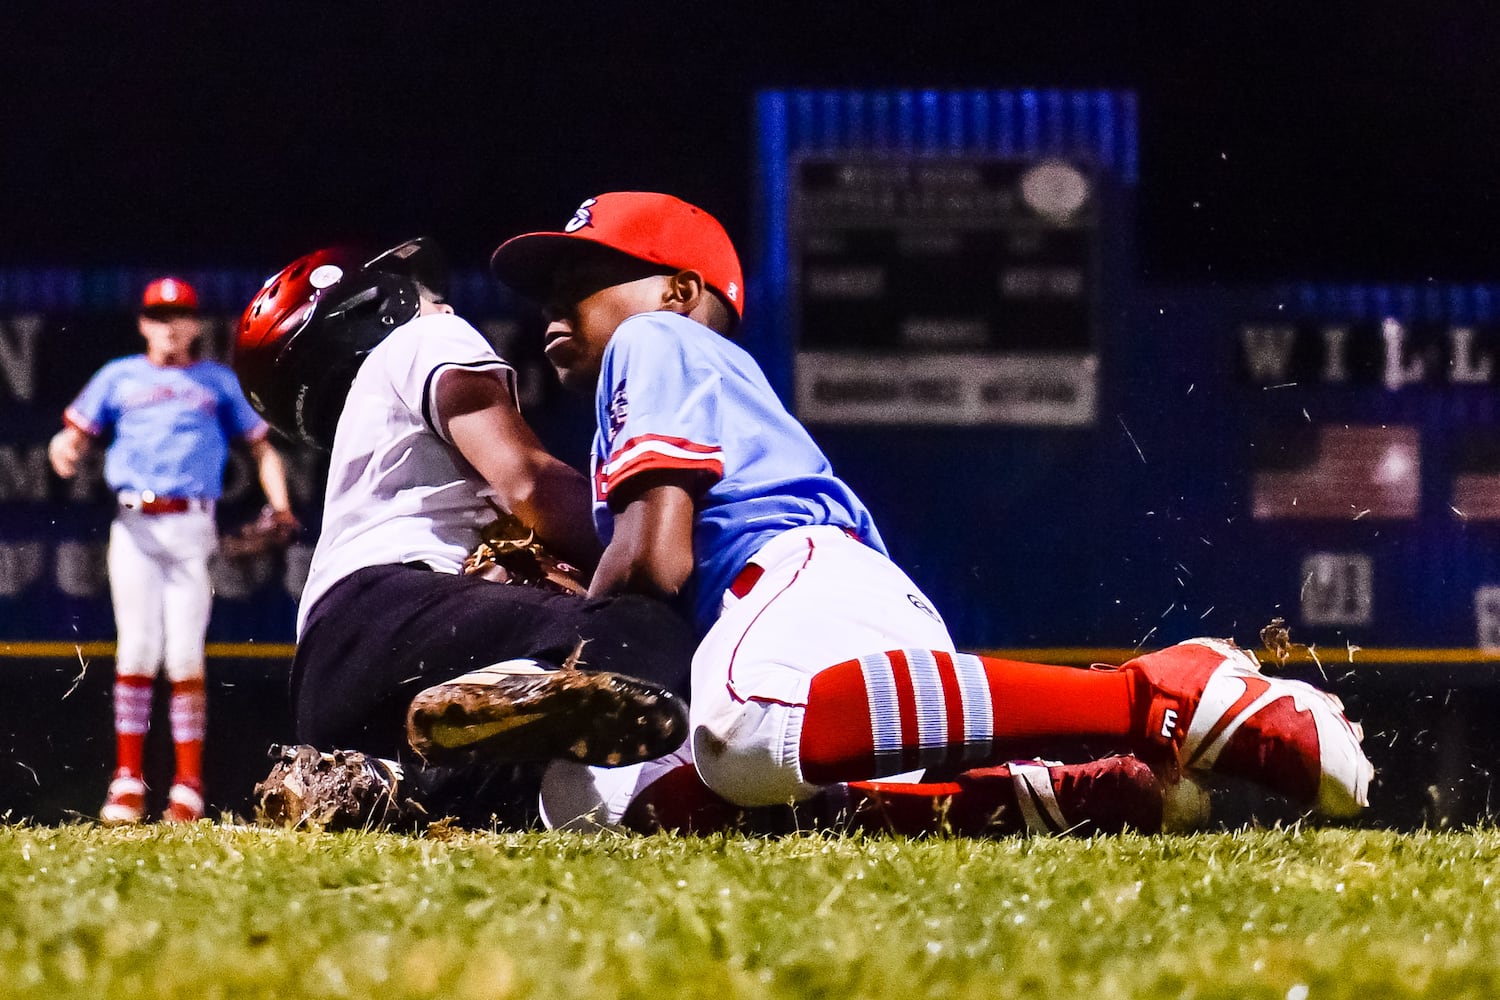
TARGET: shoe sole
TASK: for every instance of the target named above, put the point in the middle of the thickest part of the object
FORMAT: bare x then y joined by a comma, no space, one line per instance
121,816
1237,690
589,717
341,790
1186,804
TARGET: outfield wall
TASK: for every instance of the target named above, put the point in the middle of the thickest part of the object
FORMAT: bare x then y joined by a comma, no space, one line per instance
1174,513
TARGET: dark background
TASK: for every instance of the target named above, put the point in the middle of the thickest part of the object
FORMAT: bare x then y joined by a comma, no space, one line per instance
1333,141
1327,142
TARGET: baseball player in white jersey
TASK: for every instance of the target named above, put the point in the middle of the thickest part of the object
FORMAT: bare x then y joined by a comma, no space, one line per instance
361,355
173,416
821,662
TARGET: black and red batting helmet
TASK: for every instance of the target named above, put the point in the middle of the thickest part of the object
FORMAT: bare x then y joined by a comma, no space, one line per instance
306,332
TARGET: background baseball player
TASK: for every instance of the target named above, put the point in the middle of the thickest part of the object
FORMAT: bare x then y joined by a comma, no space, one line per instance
358,353
173,416
821,661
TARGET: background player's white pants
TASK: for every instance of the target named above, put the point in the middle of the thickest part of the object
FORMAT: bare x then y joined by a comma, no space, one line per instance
160,587
824,598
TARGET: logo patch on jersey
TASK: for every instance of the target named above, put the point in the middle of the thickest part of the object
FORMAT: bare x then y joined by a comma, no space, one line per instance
583,217
619,410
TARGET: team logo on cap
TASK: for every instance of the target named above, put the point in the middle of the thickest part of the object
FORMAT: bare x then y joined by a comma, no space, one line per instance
583,217
733,291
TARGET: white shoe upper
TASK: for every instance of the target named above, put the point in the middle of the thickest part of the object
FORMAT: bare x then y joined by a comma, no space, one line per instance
115,809
188,797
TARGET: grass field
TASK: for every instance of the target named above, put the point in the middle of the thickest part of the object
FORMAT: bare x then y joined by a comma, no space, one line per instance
217,911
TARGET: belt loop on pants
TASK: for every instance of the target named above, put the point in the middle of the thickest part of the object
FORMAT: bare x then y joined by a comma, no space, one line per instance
746,579
147,502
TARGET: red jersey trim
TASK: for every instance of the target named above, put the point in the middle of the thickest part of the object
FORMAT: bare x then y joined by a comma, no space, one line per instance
74,419
656,451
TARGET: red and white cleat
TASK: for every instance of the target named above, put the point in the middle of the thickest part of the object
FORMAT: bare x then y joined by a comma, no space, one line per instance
1207,702
1110,795
125,802
184,805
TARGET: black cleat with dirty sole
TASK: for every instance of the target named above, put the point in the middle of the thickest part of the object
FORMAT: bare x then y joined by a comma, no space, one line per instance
520,710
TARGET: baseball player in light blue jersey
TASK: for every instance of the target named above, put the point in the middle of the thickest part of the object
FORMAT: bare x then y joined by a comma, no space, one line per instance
173,416
822,663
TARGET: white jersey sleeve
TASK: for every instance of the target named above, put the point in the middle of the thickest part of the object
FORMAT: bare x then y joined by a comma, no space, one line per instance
398,490
435,344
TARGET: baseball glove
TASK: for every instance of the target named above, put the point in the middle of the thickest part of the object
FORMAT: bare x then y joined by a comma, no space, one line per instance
509,552
272,531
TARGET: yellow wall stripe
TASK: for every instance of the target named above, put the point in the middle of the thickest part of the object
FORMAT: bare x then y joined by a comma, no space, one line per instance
1079,655
74,650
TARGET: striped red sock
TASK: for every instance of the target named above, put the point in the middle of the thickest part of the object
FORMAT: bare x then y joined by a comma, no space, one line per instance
897,711
132,719
189,705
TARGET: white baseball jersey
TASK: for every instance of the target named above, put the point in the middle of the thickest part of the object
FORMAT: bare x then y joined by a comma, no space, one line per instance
398,490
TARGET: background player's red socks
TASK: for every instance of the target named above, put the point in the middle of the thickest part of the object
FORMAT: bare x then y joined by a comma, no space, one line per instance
132,719
189,705
893,712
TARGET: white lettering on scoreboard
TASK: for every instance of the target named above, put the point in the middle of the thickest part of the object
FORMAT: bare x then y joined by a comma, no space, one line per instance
948,389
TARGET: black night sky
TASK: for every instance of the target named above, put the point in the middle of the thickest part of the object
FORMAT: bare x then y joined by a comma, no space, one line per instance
1333,140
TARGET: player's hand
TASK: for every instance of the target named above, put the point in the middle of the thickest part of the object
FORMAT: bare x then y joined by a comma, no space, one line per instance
64,452
272,531
280,525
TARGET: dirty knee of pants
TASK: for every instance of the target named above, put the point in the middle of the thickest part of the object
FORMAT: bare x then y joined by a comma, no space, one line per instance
750,755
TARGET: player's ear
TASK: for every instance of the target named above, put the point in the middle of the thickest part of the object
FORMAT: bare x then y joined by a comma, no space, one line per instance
683,292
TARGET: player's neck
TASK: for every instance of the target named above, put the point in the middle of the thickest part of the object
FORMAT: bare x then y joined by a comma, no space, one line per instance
170,359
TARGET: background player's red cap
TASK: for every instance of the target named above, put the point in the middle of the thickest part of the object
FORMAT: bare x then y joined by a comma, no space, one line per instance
169,295
656,228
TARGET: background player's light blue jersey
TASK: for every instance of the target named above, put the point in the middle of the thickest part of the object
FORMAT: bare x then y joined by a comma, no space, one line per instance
674,394
172,426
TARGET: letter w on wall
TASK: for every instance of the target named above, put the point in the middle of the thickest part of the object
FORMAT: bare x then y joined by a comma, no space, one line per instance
18,338
1268,351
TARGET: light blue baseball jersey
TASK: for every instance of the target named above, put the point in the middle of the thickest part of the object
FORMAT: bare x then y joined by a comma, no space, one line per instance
674,394
172,426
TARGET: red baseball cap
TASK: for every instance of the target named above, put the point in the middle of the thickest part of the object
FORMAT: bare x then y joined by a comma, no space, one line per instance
656,228
169,295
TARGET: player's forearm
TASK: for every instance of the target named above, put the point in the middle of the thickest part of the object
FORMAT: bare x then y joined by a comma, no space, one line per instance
651,552
627,569
272,473
553,499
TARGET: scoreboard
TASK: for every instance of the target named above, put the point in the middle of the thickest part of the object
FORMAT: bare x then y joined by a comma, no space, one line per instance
944,290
